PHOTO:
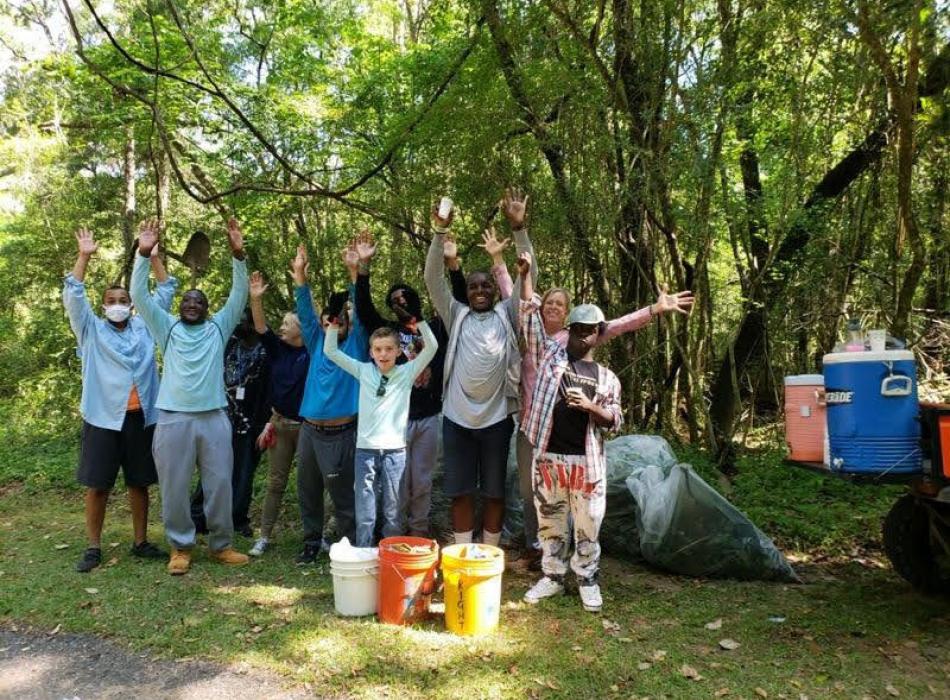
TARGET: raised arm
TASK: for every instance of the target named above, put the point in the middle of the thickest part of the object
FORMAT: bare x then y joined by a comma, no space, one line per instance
439,291
681,302
157,319
457,282
332,350
496,249
78,309
310,327
429,349
230,314
363,304
87,247
256,289
514,205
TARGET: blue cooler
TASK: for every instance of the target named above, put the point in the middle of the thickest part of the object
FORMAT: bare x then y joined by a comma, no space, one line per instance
871,400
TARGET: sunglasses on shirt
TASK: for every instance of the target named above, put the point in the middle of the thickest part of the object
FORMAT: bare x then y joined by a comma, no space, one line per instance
381,389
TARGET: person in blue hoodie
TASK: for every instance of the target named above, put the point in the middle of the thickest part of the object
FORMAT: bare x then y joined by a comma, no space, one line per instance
326,448
193,425
119,386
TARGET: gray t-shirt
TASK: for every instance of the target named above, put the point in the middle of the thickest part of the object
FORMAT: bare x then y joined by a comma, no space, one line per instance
475,395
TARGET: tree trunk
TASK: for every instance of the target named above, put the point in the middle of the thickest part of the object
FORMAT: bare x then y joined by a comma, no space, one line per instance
128,208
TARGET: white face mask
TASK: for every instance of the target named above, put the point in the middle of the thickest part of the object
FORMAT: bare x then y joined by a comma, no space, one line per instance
117,313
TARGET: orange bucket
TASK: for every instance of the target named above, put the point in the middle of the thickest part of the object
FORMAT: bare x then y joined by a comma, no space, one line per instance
407,569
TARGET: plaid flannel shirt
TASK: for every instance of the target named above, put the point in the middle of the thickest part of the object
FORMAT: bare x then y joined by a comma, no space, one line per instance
552,361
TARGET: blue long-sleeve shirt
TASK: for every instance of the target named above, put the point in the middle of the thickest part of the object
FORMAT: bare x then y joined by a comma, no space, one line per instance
113,359
330,392
193,378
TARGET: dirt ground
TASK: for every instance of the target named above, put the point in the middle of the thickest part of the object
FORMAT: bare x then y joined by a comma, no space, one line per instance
35,666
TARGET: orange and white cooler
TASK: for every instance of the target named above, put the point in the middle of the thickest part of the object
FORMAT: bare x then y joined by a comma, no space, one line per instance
805,417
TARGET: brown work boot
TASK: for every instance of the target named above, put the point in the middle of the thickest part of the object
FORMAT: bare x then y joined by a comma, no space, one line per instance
229,555
179,562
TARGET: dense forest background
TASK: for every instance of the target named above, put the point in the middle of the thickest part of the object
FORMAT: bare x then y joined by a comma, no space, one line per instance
787,160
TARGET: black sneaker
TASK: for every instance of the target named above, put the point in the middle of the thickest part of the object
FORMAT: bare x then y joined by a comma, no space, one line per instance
147,550
245,531
91,558
309,554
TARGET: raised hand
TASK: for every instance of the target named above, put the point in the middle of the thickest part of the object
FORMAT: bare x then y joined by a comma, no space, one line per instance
350,255
87,244
257,285
514,206
681,302
450,249
524,264
300,266
438,221
235,238
365,246
492,245
148,237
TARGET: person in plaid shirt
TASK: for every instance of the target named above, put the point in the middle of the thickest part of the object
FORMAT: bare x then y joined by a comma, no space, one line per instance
575,401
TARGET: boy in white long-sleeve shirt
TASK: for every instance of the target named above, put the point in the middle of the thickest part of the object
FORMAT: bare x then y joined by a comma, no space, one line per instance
385,388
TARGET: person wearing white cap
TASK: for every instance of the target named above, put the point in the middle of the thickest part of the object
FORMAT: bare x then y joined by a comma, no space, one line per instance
575,401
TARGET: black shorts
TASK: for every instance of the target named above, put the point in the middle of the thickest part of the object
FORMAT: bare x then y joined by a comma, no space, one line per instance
103,451
476,459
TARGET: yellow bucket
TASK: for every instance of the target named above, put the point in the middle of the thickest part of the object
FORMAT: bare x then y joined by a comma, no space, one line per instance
472,588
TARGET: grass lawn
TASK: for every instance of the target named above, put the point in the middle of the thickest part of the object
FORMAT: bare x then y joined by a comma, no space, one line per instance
854,629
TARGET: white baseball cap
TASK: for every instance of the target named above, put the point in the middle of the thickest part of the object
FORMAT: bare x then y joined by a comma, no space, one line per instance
589,314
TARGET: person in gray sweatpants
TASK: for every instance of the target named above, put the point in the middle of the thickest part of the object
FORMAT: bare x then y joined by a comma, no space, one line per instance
192,423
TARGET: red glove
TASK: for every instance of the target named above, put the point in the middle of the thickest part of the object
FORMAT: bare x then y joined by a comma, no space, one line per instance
267,438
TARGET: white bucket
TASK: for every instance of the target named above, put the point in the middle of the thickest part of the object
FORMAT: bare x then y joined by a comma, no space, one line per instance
355,587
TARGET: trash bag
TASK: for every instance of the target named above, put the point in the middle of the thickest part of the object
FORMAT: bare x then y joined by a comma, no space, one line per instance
619,535
687,527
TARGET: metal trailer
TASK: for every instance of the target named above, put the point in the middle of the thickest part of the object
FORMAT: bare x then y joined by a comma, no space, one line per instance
916,531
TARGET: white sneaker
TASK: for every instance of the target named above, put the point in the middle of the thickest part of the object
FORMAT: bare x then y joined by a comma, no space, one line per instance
590,598
259,547
545,588
324,546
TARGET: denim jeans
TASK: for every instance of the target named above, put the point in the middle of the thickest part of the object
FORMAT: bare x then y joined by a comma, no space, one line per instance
378,475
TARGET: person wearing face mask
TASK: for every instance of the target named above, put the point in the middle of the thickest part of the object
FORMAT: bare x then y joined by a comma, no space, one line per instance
193,426
327,445
482,368
289,361
119,387
246,381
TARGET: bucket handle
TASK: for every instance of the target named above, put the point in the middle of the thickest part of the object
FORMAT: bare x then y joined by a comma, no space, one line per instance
355,573
896,385
820,397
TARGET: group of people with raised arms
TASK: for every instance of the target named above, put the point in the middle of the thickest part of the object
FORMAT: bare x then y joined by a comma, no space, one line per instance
360,399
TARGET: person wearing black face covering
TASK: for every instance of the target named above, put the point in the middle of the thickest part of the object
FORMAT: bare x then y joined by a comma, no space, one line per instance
246,377
425,402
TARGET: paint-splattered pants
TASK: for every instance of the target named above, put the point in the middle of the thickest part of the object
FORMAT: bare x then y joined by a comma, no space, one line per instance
562,493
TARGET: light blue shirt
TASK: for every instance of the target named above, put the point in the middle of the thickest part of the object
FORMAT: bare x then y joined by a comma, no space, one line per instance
114,359
193,378
330,392
383,419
